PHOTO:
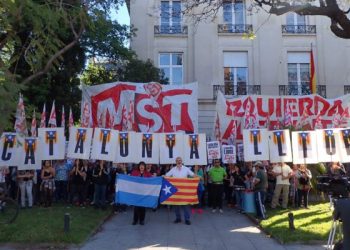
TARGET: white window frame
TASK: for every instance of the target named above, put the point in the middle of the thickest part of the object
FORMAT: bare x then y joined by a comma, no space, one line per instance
170,9
233,19
239,60
171,66
295,19
298,58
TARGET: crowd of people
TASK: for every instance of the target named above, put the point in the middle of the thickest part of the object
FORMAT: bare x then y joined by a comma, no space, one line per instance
85,182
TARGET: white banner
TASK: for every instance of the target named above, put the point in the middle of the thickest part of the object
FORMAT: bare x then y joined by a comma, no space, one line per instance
213,150
79,145
328,145
304,144
195,149
143,107
51,143
126,148
28,153
344,145
228,154
280,146
255,146
147,147
8,148
104,144
170,147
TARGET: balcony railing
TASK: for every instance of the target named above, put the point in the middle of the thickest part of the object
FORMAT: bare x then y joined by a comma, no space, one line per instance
167,29
303,89
235,28
236,90
299,29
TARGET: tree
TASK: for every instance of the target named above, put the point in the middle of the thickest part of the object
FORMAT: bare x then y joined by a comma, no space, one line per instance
335,10
44,44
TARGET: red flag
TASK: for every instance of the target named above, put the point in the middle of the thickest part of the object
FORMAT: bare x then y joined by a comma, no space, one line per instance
63,118
20,123
33,128
186,191
43,117
124,119
85,120
288,119
71,121
312,73
109,120
250,120
304,120
130,124
52,119
233,135
217,133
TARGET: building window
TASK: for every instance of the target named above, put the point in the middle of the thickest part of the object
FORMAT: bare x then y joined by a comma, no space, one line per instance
236,73
170,17
172,67
296,24
298,73
234,12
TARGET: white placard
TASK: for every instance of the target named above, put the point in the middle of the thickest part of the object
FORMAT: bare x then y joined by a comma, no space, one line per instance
328,145
79,143
8,149
255,144
344,144
104,144
170,147
280,146
126,148
28,153
51,143
195,149
147,147
213,150
228,154
304,147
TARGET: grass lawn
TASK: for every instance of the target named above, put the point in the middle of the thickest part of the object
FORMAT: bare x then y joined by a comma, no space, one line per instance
45,225
311,224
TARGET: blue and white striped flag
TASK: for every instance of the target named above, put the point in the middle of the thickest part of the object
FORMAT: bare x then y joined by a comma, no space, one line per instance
137,191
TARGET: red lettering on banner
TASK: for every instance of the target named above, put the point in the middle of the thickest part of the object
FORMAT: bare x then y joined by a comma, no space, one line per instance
318,102
278,107
162,115
233,108
292,102
307,104
270,108
336,108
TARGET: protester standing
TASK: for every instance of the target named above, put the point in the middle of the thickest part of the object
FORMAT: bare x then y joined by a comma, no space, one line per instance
62,169
282,172
47,186
140,212
100,175
260,187
217,175
25,182
304,184
181,171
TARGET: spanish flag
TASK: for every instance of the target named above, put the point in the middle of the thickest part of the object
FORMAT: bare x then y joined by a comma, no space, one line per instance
312,73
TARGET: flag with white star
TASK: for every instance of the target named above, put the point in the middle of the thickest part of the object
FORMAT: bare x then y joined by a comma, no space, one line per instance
166,191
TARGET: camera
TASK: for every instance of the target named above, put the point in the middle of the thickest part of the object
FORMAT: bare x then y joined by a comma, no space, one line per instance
337,186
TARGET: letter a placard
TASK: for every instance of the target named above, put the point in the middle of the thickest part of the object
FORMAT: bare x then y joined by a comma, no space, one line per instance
195,149
255,143
79,143
29,157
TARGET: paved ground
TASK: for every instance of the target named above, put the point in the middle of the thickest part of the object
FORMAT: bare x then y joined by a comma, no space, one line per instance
208,231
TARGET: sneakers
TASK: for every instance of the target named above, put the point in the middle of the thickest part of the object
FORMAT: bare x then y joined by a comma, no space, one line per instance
220,210
187,222
213,211
177,221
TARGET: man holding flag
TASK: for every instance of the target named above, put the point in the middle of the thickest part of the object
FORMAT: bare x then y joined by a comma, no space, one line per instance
180,171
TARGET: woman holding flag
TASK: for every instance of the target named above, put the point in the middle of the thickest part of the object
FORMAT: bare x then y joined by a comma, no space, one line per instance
140,212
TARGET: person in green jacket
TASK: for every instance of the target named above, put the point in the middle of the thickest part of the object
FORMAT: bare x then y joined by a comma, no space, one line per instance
217,175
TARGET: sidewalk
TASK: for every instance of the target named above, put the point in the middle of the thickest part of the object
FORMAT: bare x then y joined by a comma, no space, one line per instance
208,231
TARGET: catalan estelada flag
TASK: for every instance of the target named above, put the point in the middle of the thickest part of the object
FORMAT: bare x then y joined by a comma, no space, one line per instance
312,73
179,191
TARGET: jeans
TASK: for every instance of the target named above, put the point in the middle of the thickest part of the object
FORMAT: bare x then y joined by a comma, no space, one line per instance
26,187
239,199
100,195
218,190
61,190
186,210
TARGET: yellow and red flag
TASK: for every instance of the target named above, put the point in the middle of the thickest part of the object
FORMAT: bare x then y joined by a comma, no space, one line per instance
179,191
312,73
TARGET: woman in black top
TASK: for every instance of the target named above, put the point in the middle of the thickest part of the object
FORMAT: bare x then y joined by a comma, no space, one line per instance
239,187
79,182
100,175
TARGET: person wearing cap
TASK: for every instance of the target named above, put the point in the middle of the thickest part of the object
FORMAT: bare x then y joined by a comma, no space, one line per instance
217,175
260,186
283,173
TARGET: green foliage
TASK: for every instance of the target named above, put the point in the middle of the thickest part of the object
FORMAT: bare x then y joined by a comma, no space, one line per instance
45,225
311,224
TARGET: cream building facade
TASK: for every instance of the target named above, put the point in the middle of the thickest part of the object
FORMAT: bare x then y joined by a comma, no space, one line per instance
216,55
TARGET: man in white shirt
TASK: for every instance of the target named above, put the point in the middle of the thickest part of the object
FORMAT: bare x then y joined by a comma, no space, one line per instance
283,173
180,171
